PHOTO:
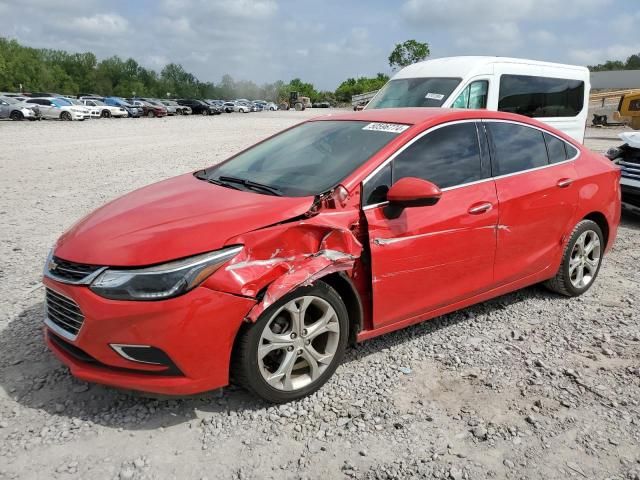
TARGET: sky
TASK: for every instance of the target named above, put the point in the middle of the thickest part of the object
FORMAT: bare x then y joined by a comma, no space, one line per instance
322,41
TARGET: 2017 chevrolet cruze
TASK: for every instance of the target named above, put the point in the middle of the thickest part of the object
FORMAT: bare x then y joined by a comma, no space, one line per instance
264,267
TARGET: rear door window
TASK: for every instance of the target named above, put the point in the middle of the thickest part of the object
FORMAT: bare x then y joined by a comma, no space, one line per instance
516,148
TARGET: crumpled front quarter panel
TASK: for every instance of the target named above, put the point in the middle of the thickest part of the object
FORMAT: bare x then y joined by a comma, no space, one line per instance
277,259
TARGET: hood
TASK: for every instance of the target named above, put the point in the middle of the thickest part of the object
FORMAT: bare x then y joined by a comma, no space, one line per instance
171,219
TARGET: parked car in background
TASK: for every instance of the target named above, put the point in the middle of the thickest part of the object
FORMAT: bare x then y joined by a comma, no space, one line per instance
229,107
18,110
59,108
216,105
242,107
321,105
148,109
105,111
132,110
92,110
271,106
198,107
257,270
179,109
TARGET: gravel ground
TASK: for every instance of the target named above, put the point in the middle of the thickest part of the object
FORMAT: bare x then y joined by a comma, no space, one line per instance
527,386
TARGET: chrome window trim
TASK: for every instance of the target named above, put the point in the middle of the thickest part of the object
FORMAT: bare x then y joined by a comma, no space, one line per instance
491,178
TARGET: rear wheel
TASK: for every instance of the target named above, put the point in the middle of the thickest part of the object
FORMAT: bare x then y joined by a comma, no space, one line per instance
16,115
581,260
105,114
295,346
66,116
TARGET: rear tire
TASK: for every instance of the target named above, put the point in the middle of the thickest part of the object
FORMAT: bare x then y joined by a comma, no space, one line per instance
16,116
581,260
297,360
105,114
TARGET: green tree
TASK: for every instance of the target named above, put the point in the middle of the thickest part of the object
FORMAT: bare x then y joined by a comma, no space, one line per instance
407,53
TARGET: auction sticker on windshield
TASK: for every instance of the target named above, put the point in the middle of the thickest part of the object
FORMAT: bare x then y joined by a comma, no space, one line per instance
386,127
434,96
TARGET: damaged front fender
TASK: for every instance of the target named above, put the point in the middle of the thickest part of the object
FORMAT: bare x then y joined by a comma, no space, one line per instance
278,259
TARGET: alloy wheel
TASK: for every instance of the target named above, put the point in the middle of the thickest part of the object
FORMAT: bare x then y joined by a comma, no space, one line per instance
298,343
585,259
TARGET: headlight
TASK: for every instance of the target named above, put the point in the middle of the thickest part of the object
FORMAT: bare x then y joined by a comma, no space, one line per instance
161,281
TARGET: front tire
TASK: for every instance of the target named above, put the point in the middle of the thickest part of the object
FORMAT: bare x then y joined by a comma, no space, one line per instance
66,116
295,345
16,116
581,260
105,114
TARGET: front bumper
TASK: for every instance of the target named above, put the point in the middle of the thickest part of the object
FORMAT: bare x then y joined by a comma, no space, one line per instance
630,189
196,331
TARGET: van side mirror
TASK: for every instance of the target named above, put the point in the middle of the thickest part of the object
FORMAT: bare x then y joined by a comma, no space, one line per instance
411,192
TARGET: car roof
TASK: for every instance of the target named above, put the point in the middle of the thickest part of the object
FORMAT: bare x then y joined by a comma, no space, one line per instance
425,117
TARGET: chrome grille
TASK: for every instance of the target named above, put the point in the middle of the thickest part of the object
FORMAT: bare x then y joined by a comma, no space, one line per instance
63,313
71,271
629,169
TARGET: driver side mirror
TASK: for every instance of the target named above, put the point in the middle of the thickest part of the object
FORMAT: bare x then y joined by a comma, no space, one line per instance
411,192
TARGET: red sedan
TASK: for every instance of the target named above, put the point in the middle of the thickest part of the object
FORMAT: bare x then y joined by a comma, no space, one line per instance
264,267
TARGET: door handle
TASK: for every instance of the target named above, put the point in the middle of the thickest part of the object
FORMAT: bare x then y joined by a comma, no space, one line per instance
564,182
479,208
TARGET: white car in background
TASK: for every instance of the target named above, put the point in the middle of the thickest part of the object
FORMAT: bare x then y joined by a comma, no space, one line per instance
104,110
59,108
17,109
93,111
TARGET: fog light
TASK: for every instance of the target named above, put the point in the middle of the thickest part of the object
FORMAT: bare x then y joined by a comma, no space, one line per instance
148,355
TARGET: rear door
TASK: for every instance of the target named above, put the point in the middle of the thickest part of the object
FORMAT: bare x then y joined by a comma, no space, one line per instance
433,256
536,195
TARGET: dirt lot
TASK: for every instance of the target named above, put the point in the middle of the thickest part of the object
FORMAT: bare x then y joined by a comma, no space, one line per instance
527,386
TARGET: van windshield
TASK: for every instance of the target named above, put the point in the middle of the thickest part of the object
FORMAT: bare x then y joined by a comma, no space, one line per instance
415,92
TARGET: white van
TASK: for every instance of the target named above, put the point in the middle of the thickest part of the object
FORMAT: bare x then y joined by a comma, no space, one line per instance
550,92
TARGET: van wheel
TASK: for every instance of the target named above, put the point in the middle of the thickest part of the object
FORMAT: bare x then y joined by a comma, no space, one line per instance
581,260
294,347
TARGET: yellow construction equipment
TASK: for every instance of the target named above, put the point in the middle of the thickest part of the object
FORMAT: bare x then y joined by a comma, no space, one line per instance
629,107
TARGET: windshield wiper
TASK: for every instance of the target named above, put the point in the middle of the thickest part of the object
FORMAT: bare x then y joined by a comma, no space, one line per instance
251,184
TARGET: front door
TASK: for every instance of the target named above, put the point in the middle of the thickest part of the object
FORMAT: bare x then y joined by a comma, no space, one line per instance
429,257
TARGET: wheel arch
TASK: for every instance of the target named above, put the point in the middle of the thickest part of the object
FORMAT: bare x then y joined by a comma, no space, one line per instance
601,220
342,284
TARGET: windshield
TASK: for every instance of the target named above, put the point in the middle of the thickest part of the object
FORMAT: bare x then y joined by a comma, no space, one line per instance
308,159
414,92
9,100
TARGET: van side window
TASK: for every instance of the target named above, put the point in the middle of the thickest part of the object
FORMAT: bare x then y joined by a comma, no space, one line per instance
516,148
447,156
473,96
541,96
